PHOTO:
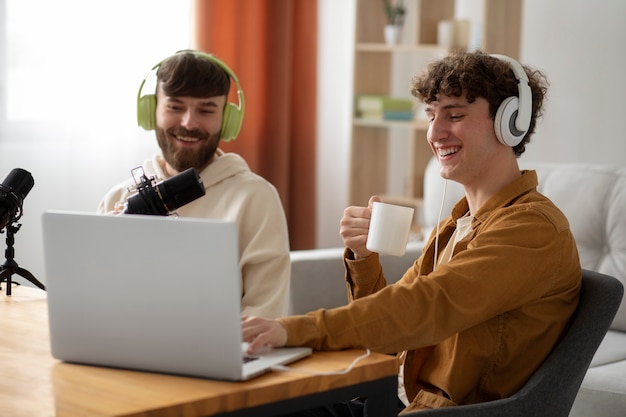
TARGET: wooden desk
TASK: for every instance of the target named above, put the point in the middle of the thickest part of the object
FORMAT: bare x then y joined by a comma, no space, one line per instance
33,383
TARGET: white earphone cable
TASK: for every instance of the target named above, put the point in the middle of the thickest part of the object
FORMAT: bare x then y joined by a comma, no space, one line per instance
284,368
443,199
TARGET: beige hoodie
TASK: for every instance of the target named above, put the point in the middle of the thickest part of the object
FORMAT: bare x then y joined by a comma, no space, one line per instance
234,193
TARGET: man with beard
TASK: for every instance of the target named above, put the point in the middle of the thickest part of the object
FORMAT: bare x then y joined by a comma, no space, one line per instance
190,115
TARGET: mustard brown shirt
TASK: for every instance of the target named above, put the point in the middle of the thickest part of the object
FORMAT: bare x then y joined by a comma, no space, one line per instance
476,328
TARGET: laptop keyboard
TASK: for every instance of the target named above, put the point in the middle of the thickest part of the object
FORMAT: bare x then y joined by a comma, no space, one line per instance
247,359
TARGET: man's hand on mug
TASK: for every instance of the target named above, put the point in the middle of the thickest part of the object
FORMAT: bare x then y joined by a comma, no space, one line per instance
354,227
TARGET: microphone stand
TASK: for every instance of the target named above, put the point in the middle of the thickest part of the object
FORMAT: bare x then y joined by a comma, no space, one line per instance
10,267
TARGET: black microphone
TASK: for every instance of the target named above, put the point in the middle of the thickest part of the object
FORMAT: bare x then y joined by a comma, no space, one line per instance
13,191
166,196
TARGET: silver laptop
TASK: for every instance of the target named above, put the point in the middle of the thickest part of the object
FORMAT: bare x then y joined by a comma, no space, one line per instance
149,293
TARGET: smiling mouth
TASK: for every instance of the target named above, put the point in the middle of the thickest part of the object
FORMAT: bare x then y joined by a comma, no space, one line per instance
448,151
187,139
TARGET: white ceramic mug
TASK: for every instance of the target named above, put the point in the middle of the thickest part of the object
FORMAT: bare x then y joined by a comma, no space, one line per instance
389,230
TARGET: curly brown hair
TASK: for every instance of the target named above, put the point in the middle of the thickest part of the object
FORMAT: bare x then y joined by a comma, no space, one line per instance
190,73
477,74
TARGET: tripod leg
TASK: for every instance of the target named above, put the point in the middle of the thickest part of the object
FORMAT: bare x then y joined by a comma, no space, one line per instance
10,267
5,276
30,277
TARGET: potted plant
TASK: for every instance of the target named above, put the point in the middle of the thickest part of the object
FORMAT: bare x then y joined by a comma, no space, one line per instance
394,11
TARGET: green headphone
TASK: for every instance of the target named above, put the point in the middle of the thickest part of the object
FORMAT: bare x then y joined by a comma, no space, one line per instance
232,117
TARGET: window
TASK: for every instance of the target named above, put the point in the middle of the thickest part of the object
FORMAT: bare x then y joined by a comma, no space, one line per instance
80,63
70,71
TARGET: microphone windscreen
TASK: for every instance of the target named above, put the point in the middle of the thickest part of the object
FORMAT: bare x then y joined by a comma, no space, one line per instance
181,189
20,182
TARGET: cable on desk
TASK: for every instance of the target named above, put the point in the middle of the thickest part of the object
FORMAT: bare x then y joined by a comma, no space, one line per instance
356,360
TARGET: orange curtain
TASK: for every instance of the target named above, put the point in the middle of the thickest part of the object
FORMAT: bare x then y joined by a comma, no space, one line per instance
271,45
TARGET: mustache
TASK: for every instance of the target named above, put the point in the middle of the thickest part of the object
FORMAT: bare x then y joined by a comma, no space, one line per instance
194,133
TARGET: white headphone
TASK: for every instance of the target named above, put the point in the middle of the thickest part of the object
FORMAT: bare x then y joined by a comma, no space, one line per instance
513,116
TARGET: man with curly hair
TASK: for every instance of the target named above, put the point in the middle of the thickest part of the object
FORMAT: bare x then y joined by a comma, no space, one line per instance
498,279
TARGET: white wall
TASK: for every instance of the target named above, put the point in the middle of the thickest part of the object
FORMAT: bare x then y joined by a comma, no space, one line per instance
579,44
334,109
71,80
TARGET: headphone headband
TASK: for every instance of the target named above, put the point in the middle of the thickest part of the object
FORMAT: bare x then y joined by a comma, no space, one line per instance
512,119
232,117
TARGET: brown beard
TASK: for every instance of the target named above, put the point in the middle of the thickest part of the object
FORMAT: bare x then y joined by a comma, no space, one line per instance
180,158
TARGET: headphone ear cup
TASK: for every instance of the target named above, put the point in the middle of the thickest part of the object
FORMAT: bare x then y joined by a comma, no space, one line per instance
232,119
504,122
146,108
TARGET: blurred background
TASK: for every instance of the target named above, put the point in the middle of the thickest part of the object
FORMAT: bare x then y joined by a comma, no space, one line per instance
70,71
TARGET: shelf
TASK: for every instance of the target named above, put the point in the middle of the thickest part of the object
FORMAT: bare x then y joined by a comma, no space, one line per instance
383,47
402,200
388,157
411,124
